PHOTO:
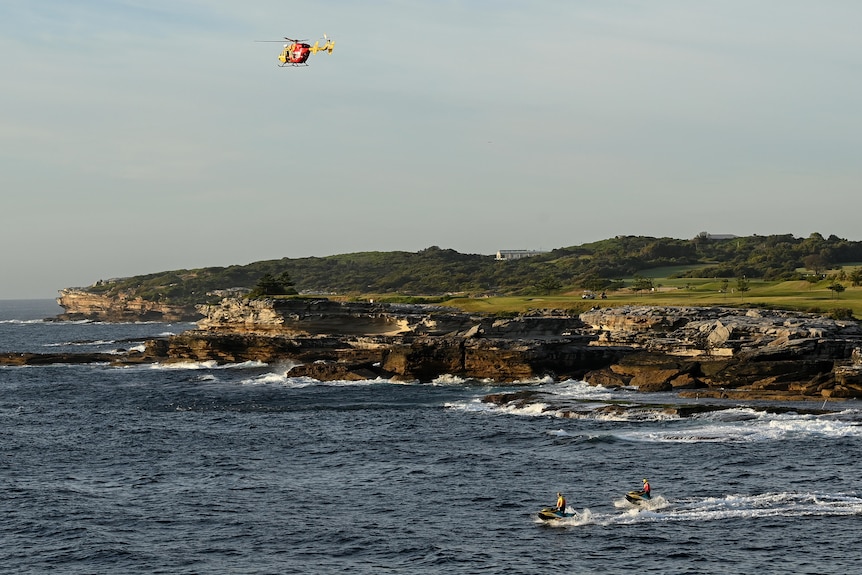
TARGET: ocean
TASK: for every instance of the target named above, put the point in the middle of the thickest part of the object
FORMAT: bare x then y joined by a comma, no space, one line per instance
238,469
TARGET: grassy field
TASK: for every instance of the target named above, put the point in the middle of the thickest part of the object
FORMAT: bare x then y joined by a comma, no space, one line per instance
794,295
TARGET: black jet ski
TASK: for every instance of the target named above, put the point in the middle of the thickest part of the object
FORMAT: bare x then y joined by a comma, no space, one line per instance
551,514
637,497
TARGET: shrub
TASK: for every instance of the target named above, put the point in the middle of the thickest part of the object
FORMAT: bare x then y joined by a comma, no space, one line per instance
841,313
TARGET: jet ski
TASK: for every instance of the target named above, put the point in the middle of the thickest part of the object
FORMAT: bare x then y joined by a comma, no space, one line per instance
551,514
637,497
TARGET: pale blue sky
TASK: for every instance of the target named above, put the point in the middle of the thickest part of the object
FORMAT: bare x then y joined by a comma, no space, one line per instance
147,135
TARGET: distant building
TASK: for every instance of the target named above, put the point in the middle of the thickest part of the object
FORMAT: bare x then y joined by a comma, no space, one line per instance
721,236
518,254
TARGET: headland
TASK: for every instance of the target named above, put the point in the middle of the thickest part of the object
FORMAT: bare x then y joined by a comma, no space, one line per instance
716,352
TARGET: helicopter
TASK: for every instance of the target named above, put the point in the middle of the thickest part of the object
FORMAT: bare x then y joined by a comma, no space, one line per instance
297,52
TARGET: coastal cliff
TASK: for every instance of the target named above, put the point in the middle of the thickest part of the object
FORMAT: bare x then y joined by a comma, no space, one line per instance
357,340
710,351
81,304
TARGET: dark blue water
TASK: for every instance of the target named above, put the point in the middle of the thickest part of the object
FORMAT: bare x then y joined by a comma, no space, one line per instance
239,469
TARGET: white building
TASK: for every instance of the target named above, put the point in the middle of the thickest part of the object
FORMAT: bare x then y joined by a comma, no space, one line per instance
721,236
518,254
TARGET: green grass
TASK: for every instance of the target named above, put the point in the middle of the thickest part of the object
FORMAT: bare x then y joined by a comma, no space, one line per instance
517,304
790,295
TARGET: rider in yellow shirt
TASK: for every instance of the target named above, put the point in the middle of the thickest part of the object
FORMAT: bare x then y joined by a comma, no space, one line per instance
561,504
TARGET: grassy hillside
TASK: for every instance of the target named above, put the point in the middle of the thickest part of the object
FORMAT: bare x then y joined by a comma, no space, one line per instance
792,295
629,269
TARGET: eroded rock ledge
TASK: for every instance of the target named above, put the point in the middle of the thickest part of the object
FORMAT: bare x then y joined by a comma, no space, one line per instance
80,304
337,340
728,352
711,351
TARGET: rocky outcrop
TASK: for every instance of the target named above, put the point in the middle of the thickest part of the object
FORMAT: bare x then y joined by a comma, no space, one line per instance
722,352
728,352
303,317
718,331
641,410
346,340
81,304
319,316
697,351
398,341
22,359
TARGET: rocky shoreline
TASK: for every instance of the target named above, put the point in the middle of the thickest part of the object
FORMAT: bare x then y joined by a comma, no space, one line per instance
693,351
81,304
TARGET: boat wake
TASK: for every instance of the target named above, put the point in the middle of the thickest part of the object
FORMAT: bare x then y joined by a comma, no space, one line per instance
720,508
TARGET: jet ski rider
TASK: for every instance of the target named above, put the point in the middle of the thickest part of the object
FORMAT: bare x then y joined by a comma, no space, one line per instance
646,489
561,504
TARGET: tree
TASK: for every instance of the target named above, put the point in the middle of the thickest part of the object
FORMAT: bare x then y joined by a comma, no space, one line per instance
641,283
548,285
699,240
836,288
742,286
856,277
269,285
594,283
815,262
286,282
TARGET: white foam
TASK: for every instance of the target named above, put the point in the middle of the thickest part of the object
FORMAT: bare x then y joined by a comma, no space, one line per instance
190,365
584,517
80,343
477,405
266,379
654,504
531,410
586,399
281,378
703,434
766,505
825,426
746,425
22,321
448,379
208,364
472,405
578,389
645,414
535,381
252,364
735,506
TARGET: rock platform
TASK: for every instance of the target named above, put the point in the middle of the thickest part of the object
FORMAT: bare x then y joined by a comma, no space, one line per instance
705,351
713,351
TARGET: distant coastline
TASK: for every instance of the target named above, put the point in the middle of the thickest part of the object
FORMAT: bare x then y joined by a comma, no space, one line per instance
815,274
29,309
